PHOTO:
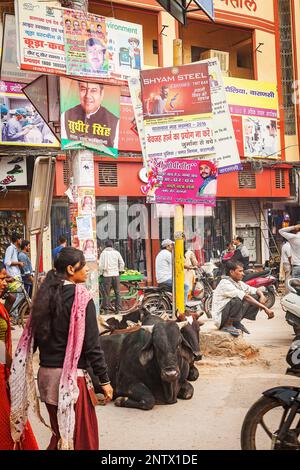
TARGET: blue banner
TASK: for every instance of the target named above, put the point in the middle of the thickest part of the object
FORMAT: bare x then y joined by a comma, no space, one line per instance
207,6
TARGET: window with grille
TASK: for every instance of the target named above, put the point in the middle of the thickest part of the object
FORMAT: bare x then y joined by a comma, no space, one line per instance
107,174
279,179
287,65
247,179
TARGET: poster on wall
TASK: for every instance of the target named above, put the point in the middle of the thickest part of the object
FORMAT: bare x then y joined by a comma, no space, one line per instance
86,201
180,181
90,114
177,111
125,47
85,44
254,109
10,70
40,37
128,133
21,124
84,227
136,99
13,172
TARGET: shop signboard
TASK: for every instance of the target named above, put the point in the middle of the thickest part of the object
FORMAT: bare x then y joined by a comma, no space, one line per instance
254,109
207,6
90,114
125,47
40,39
177,111
21,124
10,70
13,171
181,181
86,44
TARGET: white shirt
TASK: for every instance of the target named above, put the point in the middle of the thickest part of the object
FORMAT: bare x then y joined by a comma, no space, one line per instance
11,256
286,253
163,266
226,290
110,263
294,239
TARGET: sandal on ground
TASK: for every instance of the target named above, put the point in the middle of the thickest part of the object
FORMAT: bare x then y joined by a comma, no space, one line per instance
231,329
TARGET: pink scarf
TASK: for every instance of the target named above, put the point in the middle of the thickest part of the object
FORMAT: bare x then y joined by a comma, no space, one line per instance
22,385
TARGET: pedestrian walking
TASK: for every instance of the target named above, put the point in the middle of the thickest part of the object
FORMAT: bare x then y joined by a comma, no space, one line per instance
292,235
63,326
62,243
190,264
6,442
26,270
286,263
234,300
111,264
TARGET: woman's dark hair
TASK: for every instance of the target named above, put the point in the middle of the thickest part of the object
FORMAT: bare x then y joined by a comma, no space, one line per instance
47,304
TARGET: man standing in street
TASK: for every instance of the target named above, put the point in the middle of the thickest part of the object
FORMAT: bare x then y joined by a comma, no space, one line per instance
286,263
241,253
26,270
292,235
234,300
110,265
62,243
164,268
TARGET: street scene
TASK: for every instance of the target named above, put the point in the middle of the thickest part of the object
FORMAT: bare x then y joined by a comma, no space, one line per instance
150,227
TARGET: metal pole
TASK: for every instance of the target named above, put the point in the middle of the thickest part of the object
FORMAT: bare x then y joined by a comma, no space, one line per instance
178,295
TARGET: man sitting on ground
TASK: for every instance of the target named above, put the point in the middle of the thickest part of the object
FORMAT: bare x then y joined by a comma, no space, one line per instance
234,300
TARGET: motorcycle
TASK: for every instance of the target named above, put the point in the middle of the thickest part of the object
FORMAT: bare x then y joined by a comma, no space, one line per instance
291,304
159,300
277,413
264,279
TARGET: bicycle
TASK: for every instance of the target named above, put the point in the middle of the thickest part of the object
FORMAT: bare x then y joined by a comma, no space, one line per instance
23,306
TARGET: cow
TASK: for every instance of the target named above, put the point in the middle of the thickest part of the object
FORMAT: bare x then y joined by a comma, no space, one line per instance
148,366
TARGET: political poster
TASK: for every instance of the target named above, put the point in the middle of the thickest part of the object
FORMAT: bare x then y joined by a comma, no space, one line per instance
21,124
181,181
86,44
90,114
40,37
226,154
177,111
125,47
10,70
254,110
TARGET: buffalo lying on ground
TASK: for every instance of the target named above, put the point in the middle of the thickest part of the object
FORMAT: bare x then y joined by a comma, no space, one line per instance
149,366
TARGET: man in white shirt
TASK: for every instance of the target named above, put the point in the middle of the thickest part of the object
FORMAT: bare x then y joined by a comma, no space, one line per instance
234,300
292,235
164,268
110,265
286,260
11,260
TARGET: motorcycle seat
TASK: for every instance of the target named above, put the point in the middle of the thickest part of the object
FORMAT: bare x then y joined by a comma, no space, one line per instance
249,276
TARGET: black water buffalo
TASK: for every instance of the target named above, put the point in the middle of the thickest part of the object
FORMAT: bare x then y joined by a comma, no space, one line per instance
148,367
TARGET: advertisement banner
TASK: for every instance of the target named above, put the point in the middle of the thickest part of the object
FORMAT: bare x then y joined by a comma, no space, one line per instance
128,135
136,99
226,155
180,181
86,199
254,109
177,111
90,114
21,124
10,70
13,172
207,6
40,37
125,46
85,44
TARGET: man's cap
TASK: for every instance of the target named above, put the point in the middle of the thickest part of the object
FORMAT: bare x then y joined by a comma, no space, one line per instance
21,112
166,242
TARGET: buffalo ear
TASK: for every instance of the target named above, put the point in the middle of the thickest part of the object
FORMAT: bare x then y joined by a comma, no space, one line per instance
147,352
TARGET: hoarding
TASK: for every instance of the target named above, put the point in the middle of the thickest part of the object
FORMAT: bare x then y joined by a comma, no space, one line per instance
13,171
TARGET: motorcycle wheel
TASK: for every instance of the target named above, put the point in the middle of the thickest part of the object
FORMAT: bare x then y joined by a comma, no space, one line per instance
270,296
255,421
156,304
208,306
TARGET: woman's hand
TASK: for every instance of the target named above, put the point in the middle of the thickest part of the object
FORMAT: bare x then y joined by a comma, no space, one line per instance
108,392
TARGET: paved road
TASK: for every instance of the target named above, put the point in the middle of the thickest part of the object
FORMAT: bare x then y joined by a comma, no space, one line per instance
213,418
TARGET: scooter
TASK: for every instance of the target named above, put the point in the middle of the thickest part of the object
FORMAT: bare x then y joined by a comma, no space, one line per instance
264,279
291,304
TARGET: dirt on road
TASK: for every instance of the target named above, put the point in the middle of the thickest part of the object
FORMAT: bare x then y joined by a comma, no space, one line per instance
212,420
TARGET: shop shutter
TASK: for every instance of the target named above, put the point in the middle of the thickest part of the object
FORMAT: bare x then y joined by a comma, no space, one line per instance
279,179
107,174
247,213
247,178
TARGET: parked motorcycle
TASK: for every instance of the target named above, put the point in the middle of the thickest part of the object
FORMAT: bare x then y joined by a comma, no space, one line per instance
160,300
264,279
291,304
273,422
